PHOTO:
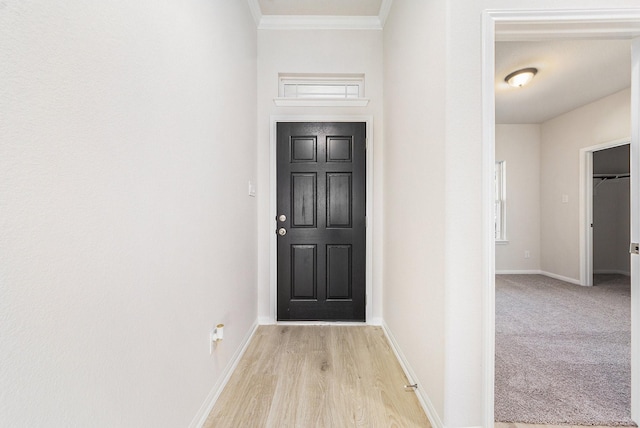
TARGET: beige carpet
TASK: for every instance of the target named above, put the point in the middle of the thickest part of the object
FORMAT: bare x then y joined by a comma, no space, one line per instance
562,351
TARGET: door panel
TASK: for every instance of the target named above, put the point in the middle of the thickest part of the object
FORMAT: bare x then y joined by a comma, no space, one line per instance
339,199
339,271
303,199
304,263
321,192
303,149
339,149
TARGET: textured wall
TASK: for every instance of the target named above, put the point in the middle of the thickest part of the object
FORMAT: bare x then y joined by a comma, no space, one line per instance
127,138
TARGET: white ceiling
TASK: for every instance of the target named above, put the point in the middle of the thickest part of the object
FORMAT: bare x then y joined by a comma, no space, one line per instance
571,73
321,7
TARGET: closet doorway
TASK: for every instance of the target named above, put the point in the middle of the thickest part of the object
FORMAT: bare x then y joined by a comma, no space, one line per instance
610,212
606,210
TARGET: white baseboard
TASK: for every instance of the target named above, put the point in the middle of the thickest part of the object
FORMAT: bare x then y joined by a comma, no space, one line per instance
612,271
424,400
539,272
266,321
375,321
201,417
518,272
561,278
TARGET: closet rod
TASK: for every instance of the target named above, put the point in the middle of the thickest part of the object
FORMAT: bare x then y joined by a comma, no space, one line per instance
605,177
611,176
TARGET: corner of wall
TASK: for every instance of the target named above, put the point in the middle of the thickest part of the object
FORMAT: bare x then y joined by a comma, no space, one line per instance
423,398
201,417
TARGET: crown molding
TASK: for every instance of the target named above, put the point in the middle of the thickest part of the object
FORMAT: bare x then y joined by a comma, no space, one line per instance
256,11
312,22
525,25
385,8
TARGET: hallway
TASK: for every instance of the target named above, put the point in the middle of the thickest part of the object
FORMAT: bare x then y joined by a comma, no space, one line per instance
317,376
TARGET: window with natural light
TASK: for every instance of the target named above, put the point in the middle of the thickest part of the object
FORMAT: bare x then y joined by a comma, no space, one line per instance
501,201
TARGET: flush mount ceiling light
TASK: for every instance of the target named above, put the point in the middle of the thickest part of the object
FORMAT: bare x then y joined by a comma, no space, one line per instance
519,78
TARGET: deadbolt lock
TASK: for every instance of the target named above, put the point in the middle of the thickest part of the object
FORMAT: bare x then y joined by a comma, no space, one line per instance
282,217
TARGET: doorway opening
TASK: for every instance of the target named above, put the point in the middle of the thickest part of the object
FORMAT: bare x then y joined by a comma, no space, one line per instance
368,121
545,25
321,199
604,208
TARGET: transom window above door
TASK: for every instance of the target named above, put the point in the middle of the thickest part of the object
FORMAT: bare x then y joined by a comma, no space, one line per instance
321,90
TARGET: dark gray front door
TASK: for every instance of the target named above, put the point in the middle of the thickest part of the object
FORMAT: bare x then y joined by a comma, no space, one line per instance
321,221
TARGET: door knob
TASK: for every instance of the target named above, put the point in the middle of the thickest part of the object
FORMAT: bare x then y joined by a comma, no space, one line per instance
282,231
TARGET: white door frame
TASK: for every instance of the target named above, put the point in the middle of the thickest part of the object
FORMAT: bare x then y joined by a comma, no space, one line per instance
273,186
586,207
515,25
635,228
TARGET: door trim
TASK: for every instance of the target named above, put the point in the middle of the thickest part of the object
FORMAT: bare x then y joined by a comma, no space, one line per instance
524,25
586,207
273,274
635,227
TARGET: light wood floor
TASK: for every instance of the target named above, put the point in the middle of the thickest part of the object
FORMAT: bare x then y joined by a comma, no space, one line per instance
317,376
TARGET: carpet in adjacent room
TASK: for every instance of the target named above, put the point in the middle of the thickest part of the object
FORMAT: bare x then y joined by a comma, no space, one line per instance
562,351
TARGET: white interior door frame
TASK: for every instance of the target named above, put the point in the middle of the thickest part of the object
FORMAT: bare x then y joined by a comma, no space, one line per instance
516,25
586,207
273,282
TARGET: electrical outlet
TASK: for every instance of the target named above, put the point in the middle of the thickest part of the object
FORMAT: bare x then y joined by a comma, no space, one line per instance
215,336
527,254
212,340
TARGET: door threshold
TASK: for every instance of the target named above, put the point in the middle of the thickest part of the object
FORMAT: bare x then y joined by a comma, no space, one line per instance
340,323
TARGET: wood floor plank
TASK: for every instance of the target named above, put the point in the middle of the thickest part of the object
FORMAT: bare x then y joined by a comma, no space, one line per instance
317,376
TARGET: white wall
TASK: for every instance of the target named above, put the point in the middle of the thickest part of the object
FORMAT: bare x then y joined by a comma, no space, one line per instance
414,190
519,147
603,121
316,51
127,137
438,50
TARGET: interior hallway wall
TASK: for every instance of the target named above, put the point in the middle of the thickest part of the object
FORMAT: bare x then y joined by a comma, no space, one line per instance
600,122
414,190
127,138
433,50
519,147
316,51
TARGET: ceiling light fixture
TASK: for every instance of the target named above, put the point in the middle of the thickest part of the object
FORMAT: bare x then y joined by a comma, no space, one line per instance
519,78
